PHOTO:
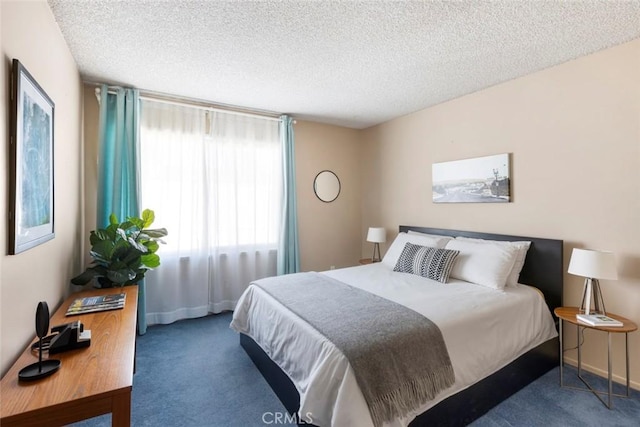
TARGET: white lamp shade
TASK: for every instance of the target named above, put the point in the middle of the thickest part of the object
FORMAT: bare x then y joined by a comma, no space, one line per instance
377,235
593,264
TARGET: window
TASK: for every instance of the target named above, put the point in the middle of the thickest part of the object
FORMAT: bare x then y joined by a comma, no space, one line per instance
214,180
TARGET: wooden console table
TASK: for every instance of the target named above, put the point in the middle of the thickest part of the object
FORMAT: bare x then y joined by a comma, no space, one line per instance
91,381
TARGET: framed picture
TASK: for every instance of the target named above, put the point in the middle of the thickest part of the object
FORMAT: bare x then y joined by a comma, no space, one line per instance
30,163
478,180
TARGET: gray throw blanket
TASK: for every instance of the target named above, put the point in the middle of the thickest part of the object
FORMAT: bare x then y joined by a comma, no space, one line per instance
398,356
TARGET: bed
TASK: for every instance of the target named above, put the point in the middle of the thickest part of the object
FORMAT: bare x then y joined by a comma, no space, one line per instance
481,381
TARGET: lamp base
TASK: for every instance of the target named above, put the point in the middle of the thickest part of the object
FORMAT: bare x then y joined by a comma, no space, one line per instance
592,301
38,370
376,248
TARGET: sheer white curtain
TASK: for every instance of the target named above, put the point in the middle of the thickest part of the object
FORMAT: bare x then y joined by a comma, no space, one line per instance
214,180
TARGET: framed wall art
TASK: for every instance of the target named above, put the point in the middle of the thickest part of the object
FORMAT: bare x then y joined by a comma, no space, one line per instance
478,180
30,163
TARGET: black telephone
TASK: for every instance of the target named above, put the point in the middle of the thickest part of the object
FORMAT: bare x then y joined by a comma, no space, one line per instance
69,337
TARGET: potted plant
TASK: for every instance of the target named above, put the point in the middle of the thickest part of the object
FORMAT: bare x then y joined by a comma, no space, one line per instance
123,251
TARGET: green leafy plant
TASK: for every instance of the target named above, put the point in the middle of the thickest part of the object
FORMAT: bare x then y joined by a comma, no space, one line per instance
123,251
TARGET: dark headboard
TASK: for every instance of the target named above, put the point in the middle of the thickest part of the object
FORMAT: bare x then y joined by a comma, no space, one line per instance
542,267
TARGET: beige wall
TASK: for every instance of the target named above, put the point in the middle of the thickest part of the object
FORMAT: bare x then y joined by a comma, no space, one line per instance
30,34
330,233
574,134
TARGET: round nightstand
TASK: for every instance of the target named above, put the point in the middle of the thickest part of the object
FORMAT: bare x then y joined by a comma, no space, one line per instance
568,314
365,261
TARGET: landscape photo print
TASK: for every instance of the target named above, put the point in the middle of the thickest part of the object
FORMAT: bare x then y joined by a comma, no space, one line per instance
478,180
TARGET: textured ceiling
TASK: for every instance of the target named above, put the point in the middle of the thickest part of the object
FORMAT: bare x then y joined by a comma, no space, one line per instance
350,63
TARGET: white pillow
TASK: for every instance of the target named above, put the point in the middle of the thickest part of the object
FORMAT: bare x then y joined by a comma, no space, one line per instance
485,264
436,236
522,248
394,251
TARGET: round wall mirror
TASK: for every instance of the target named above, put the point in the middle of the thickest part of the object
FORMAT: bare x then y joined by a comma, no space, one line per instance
326,186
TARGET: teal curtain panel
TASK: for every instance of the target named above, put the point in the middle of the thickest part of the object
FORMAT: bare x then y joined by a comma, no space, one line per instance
118,165
288,248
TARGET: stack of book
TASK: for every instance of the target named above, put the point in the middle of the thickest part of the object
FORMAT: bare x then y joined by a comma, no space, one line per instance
98,303
598,320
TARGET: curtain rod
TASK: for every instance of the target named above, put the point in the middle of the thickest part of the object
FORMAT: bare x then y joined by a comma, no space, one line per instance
190,102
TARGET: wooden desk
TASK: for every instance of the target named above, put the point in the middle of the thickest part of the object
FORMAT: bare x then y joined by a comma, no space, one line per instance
90,382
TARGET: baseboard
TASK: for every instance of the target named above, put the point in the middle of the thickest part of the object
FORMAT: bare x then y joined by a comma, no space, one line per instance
602,373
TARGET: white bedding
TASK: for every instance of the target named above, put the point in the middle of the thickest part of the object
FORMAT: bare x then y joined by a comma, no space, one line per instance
483,329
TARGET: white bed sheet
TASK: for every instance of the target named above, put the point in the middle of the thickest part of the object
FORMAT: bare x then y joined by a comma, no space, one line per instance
483,329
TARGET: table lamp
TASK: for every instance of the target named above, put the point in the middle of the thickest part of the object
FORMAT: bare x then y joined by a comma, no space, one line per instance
376,235
593,265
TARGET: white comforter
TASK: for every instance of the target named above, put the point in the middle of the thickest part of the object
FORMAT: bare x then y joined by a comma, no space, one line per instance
483,329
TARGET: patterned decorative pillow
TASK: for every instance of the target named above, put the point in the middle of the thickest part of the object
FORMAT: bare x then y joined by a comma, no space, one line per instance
432,263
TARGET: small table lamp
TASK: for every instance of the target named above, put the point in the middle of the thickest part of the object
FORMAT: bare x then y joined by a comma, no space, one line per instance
376,235
593,265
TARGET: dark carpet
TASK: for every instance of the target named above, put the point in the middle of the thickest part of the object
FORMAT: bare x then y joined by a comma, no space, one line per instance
194,373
